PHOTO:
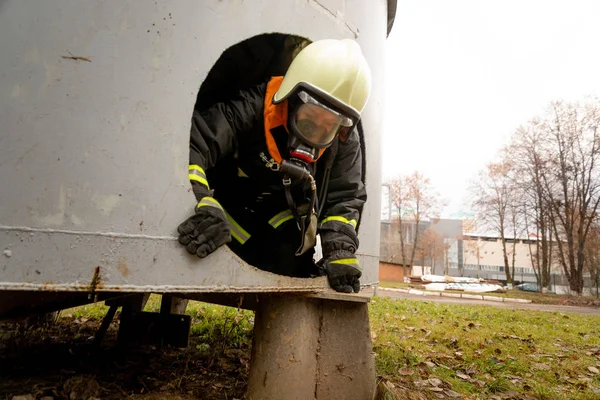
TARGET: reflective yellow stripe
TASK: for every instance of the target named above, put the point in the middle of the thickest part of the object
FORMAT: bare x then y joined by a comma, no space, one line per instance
196,173
280,218
340,219
237,231
281,214
241,173
194,167
346,261
282,221
196,178
210,202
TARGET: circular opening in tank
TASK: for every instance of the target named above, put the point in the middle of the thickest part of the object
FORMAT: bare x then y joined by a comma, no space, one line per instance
232,100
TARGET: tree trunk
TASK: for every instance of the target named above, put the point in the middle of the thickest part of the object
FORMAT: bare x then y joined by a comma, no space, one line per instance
402,251
416,241
505,257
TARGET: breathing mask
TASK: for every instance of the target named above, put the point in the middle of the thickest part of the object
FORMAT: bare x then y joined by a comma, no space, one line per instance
313,126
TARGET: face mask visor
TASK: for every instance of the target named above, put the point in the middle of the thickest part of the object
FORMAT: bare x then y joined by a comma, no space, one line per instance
316,123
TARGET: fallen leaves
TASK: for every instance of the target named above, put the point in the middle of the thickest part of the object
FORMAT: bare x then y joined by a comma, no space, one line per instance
528,340
463,376
542,366
453,342
435,382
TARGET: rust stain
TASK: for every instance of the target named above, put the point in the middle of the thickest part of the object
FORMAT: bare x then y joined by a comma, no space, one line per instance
122,267
95,281
75,58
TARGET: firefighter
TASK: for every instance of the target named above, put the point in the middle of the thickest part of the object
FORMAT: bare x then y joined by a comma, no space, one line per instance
280,163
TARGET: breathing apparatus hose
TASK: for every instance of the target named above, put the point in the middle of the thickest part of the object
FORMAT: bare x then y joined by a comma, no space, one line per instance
298,171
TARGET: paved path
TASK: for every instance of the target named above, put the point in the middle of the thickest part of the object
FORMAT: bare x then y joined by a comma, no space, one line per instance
523,306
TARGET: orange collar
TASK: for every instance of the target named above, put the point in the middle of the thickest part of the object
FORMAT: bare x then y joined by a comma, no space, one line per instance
275,115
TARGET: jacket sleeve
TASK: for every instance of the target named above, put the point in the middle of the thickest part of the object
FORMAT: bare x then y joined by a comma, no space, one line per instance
345,199
214,133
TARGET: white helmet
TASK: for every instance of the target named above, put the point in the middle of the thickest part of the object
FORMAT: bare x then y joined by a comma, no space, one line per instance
333,75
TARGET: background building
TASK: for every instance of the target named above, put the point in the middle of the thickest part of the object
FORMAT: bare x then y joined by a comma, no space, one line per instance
444,249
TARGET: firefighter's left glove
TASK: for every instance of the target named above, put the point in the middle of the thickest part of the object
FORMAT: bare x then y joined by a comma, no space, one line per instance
343,271
339,261
207,230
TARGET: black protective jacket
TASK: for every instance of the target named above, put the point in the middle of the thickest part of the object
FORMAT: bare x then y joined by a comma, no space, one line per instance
229,141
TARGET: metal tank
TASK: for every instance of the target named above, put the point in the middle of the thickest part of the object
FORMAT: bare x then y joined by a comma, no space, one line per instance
96,99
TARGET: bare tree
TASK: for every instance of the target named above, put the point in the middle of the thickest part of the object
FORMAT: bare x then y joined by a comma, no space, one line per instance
399,194
493,197
527,155
572,184
516,223
415,199
592,256
431,248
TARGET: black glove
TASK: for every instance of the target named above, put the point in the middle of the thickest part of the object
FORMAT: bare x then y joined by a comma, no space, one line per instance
343,272
207,230
339,261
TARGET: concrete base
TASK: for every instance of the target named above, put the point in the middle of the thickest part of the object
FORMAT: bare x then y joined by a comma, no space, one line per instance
310,348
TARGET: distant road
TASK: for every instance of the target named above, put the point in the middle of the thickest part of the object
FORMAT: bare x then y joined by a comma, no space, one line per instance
523,306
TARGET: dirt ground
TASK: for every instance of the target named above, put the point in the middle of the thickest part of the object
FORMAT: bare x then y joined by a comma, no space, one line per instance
58,361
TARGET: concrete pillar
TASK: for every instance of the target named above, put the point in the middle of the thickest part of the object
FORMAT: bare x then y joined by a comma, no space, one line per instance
173,305
311,348
346,361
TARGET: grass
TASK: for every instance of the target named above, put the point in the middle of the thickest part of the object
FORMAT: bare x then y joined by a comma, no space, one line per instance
475,351
216,326
385,284
479,351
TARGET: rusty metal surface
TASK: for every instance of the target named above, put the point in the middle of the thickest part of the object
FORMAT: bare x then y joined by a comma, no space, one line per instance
95,131
105,263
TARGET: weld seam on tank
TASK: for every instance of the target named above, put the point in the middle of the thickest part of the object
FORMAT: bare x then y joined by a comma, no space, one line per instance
106,234
312,286
84,233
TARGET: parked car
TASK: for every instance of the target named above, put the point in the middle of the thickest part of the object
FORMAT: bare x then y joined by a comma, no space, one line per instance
529,287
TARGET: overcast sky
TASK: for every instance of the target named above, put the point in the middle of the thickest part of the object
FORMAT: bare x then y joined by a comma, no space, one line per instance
462,75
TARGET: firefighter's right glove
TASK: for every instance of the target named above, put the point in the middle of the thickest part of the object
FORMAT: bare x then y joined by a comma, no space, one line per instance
207,230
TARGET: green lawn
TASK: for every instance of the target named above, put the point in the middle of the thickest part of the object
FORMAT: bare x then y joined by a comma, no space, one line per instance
480,351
